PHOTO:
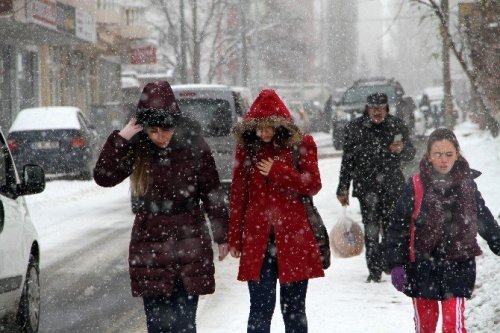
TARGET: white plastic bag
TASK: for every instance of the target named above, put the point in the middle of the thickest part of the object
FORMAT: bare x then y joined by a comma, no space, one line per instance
346,237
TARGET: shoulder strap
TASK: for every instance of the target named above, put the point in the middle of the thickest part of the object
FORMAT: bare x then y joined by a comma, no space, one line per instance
295,160
418,190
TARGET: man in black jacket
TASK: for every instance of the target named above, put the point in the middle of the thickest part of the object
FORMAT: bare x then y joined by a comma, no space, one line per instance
375,144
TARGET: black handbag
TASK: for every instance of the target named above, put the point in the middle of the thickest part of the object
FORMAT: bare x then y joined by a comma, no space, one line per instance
319,231
315,220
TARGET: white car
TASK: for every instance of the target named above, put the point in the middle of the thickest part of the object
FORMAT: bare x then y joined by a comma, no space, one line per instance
19,247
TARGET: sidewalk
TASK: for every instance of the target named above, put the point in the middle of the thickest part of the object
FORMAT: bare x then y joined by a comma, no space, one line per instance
325,146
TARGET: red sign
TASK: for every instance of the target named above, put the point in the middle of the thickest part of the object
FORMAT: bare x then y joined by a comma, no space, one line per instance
143,55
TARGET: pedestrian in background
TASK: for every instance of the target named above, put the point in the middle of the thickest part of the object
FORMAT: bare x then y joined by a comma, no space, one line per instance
435,263
171,170
269,231
375,144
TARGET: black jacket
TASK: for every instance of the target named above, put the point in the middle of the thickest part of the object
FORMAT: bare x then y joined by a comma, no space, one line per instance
435,277
367,160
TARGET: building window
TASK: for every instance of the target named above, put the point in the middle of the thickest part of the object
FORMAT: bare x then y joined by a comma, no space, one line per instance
133,16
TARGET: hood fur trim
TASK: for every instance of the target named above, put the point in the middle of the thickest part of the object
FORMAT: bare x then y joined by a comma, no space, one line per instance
249,125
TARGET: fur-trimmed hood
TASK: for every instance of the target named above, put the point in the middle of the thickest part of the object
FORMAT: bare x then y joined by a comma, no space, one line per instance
268,109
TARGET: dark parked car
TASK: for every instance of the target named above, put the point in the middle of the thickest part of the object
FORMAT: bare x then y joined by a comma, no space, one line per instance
19,246
353,101
59,139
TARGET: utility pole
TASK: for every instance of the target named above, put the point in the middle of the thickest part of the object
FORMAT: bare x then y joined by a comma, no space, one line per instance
445,54
196,57
183,64
244,51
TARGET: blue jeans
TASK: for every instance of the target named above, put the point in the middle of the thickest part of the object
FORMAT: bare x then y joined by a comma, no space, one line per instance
263,299
171,314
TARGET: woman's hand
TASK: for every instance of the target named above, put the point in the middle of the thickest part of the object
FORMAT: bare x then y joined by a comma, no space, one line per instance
265,166
223,251
131,129
234,253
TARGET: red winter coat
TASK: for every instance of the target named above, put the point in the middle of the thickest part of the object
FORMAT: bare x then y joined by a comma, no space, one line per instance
168,248
259,203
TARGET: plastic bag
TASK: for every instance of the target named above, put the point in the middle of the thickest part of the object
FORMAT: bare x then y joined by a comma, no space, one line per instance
346,237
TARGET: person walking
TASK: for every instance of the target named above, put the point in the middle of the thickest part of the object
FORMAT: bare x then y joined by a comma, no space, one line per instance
268,229
432,259
171,170
375,144
425,107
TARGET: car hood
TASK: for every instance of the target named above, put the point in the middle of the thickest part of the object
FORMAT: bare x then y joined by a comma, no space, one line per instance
355,107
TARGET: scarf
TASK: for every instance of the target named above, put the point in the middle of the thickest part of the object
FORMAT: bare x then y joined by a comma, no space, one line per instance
449,228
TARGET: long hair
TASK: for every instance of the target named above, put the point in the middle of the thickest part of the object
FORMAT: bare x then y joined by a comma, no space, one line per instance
139,179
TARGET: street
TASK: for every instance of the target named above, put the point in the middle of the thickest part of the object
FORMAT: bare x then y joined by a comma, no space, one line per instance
85,229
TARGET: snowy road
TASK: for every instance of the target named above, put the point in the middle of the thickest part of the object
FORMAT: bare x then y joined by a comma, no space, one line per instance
84,232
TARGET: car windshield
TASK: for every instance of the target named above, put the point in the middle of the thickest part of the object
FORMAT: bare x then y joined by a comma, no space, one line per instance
358,94
214,115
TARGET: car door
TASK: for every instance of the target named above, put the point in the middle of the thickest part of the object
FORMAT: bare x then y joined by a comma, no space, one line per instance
12,255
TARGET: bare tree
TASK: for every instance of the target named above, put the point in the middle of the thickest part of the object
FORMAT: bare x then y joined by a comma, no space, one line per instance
185,28
456,46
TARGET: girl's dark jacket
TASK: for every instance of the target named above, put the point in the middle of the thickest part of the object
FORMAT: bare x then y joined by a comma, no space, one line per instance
167,246
449,270
367,160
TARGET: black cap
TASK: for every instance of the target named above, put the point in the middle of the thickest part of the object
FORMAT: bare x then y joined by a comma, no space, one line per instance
376,100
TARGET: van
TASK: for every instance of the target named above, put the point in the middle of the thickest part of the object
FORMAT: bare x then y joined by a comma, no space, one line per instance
217,109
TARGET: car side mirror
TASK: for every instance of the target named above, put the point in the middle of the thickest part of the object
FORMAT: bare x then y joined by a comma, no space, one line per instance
33,180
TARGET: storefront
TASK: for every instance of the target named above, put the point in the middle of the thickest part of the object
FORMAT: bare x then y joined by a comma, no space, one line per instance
41,58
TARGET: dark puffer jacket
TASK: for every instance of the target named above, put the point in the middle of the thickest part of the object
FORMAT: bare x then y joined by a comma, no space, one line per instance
167,247
367,160
434,275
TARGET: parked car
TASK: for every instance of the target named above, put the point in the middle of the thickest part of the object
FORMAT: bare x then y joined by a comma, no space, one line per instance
242,99
215,108
58,138
353,101
19,245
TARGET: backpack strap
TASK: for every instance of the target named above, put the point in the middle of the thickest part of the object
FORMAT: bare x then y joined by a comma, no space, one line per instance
418,190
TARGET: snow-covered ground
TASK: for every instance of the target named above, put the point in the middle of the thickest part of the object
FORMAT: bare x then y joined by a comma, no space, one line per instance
340,302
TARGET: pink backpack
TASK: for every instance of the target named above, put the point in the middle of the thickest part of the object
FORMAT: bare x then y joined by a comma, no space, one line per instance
418,189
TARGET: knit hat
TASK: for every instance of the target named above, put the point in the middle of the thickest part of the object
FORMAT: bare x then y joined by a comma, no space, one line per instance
376,100
157,106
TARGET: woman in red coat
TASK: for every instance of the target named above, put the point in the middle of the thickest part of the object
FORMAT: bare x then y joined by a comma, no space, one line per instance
268,228
171,170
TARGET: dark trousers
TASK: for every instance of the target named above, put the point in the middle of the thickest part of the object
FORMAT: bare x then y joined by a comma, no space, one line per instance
171,314
263,299
376,210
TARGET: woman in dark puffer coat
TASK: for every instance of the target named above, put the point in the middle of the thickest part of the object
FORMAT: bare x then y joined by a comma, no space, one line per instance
436,262
171,170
